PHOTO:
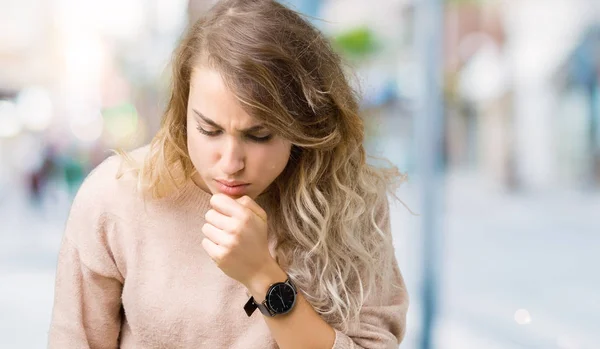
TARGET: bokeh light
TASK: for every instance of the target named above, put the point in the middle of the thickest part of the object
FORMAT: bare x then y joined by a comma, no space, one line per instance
35,108
10,125
89,127
522,317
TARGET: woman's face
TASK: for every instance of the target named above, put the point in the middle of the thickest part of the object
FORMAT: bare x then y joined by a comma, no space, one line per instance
231,151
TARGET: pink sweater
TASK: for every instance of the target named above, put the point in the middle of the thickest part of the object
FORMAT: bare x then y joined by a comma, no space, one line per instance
133,274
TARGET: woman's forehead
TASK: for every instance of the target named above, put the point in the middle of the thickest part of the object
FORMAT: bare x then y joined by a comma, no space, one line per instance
212,102
206,82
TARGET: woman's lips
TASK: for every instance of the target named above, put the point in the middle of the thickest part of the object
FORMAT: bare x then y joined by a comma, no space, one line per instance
231,189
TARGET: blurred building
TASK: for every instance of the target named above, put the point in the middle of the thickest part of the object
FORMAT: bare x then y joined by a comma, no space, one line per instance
504,118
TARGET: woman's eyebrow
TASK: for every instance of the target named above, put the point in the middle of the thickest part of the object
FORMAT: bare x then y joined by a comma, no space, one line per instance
214,124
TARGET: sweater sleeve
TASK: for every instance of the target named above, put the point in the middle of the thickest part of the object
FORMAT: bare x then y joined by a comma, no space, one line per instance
87,298
383,315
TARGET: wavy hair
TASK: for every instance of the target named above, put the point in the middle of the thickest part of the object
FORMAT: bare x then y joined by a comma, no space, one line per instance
332,214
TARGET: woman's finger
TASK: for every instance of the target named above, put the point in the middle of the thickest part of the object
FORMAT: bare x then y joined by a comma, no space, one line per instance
220,220
250,204
226,205
216,235
214,251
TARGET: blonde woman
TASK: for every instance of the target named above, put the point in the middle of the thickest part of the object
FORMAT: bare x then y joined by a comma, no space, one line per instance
251,220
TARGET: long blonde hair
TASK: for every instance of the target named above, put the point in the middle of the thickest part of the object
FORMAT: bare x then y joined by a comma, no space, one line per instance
331,203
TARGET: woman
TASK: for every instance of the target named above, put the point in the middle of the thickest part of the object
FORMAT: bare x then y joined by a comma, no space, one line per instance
254,195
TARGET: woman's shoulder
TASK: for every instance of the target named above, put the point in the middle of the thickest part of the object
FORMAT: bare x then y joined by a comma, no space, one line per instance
113,182
105,202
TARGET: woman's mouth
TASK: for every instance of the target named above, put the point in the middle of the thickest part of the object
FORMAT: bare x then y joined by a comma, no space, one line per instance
235,188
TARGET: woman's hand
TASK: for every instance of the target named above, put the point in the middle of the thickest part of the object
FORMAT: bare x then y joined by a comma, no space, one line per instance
236,238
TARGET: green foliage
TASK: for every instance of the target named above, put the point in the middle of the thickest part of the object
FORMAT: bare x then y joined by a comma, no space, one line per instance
356,43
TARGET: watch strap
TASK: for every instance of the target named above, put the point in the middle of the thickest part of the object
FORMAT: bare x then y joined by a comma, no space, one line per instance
265,309
251,306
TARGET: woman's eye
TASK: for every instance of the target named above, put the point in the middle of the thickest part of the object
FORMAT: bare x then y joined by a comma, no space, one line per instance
262,139
253,138
208,133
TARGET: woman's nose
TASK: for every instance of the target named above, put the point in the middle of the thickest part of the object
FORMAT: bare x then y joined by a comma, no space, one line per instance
232,157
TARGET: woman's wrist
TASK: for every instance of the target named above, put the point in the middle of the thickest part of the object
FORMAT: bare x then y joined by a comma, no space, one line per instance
260,282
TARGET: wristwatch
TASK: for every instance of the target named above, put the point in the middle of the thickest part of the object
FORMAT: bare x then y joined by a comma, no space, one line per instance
280,299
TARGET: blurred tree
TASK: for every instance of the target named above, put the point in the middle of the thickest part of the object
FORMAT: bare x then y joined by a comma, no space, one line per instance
357,43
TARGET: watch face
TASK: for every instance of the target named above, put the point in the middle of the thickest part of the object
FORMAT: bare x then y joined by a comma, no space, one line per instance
281,298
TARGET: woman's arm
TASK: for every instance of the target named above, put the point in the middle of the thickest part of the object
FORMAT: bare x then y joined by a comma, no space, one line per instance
87,304
302,327
87,298
382,319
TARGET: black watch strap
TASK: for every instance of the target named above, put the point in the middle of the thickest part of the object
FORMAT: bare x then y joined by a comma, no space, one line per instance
251,306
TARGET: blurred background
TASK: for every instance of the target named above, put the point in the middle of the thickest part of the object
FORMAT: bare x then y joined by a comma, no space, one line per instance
491,107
